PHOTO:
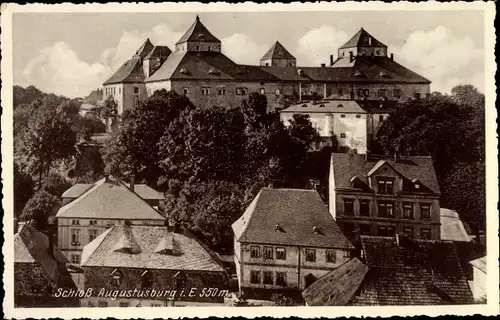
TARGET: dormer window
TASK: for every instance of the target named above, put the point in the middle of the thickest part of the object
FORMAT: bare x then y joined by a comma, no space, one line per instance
358,74
416,183
304,105
385,185
184,71
116,277
340,106
321,105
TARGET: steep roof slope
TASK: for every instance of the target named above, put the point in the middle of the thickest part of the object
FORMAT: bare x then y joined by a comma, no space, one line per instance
198,33
130,72
362,39
277,51
289,217
142,190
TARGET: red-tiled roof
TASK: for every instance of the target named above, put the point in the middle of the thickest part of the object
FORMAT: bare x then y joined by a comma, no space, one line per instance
346,166
288,217
362,39
109,198
277,51
198,33
188,253
413,272
130,72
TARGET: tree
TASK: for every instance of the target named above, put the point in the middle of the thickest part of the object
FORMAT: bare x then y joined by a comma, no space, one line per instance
55,184
25,96
282,300
88,125
39,208
108,111
47,138
134,147
468,95
23,189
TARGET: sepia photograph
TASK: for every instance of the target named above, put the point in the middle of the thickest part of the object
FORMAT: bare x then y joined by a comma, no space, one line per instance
217,155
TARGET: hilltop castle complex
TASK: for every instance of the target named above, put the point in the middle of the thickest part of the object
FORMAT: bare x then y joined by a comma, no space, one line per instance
362,70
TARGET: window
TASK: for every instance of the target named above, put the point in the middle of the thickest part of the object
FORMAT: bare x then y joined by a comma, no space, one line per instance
268,252
361,93
340,93
209,48
205,91
425,211
385,210
365,229
102,304
93,222
119,90
382,93
407,210
380,118
386,231
75,258
340,106
417,95
255,252
348,206
311,255
366,92
75,236
342,115
385,186
278,92
241,91
331,256
77,222
146,280
92,234
267,64
281,279
358,116
408,231
255,277
342,135
186,91
425,234
364,208
396,93
280,253
268,277
136,90
222,91
124,304
262,91
197,48
117,277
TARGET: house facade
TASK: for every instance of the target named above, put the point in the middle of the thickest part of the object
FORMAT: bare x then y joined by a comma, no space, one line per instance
196,67
286,240
353,123
479,283
151,266
384,196
90,210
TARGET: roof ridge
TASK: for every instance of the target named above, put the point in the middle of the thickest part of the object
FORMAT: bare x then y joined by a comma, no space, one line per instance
82,196
103,236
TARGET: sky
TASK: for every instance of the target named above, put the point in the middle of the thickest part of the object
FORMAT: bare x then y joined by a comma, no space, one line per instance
73,53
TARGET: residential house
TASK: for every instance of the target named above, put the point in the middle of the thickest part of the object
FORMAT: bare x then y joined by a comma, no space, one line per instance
90,210
353,123
285,241
39,271
479,283
383,195
395,271
198,68
151,266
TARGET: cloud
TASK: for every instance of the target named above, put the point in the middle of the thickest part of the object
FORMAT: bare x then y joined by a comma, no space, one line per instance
443,58
316,46
59,69
243,49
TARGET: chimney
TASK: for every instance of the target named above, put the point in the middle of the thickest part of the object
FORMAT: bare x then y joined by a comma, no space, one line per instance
350,56
331,60
392,56
132,182
397,239
323,65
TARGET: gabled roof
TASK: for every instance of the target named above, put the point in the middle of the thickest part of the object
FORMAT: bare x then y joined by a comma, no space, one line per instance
452,228
362,39
198,33
413,272
109,198
211,65
277,51
288,217
142,190
191,256
337,287
345,166
130,72
33,247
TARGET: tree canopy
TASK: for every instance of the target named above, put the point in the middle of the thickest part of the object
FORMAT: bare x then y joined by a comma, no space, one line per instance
39,208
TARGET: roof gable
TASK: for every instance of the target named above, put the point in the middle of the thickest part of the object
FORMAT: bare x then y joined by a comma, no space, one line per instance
198,33
362,39
290,217
277,51
130,72
385,166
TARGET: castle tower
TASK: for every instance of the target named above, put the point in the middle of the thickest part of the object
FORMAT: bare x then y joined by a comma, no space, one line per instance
362,44
198,39
278,56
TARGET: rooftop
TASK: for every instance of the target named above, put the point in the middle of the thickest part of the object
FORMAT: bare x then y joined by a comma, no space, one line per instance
198,33
289,217
340,106
362,39
142,190
149,247
452,228
277,51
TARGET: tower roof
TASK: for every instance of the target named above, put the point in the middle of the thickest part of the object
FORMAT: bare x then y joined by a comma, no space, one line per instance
277,51
145,49
362,39
198,33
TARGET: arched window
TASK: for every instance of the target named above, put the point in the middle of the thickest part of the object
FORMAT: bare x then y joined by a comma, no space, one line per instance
117,277
146,280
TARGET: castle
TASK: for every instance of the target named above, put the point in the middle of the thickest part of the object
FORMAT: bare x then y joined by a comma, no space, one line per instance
362,70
